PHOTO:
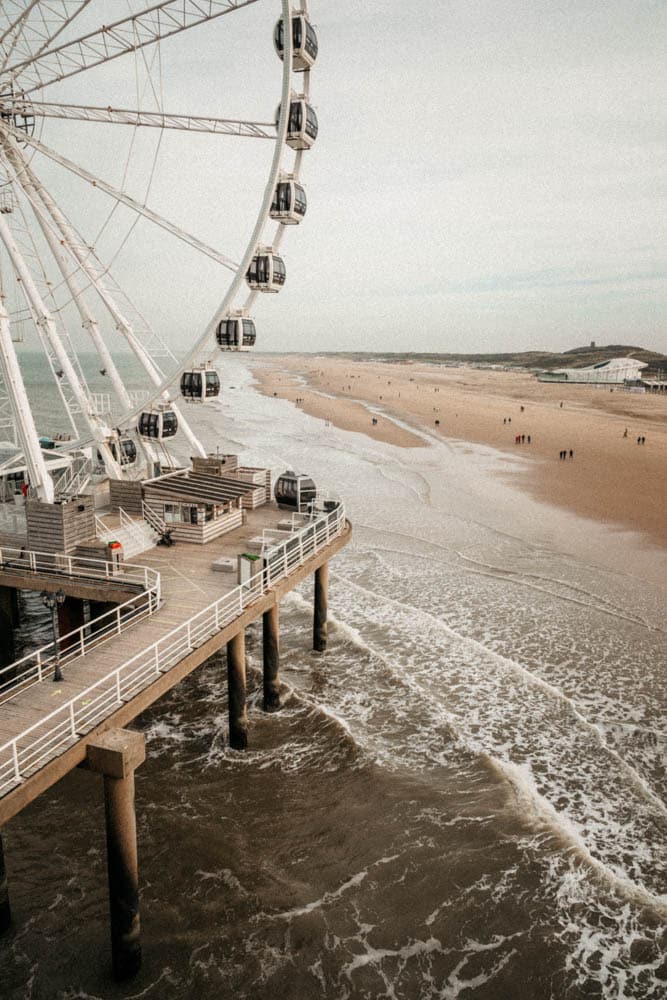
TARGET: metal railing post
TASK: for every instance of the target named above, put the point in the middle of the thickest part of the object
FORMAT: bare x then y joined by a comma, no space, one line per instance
39,664
118,620
72,720
15,756
82,643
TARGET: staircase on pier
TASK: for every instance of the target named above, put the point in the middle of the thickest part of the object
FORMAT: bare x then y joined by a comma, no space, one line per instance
135,534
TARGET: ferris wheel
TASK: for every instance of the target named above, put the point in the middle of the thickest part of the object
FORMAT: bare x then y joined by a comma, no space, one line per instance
62,65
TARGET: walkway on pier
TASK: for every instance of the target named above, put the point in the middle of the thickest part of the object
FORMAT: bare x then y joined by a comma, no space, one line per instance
44,730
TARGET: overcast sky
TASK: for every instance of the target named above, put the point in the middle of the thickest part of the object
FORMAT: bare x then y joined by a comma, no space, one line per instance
489,176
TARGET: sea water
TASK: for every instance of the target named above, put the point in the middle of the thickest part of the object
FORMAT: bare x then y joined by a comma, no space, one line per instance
463,797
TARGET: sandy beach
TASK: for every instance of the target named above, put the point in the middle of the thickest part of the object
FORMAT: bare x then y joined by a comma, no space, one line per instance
611,477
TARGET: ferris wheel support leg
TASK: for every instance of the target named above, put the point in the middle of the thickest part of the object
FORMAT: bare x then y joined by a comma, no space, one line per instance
11,373
35,189
37,193
45,321
189,433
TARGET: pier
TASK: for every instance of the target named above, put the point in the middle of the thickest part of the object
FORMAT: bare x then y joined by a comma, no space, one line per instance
166,612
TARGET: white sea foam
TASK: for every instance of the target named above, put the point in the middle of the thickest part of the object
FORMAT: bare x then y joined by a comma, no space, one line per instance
538,646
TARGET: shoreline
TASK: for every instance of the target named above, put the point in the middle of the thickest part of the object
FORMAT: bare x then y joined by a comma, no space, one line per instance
610,478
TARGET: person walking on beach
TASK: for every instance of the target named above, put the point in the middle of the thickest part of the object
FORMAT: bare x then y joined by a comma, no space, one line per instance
625,432
571,454
523,439
528,439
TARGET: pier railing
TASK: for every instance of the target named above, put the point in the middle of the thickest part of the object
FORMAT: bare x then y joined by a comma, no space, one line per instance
37,665
80,567
55,732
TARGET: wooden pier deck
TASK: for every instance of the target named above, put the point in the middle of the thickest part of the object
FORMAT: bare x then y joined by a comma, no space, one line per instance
45,729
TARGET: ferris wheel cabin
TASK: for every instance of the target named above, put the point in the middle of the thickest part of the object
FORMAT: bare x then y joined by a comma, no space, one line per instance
294,492
289,202
158,424
236,332
124,450
304,42
200,385
302,124
266,272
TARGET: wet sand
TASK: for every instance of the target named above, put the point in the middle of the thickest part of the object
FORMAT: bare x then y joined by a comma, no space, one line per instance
611,478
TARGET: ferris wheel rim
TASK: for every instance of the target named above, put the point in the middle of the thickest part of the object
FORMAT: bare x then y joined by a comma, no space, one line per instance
193,354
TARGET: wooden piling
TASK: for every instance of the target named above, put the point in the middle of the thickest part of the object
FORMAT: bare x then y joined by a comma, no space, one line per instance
5,910
115,755
271,650
70,618
236,689
321,600
8,619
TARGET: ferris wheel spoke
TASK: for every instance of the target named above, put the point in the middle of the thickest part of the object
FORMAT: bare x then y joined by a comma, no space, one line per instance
123,198
38,25
24,421
13,15
113,40
100,432
66,237
149,119
51,224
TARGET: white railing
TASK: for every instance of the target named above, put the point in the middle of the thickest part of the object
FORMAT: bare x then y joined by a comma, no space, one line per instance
74,478
101,529
36,666
140,534
133,535
80,567
101,403
153,519
52,734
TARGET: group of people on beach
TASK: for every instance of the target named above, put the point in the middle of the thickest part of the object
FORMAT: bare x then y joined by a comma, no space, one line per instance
522,439
564,454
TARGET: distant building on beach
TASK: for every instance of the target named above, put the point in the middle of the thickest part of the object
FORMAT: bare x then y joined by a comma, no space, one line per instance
615,371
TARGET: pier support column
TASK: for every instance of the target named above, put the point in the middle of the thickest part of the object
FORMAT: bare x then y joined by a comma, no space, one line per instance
70,617
271,649
5,911
8,619
320,608
95,610
116,755
236,689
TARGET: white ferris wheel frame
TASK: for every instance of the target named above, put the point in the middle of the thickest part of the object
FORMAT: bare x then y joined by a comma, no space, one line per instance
77,262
